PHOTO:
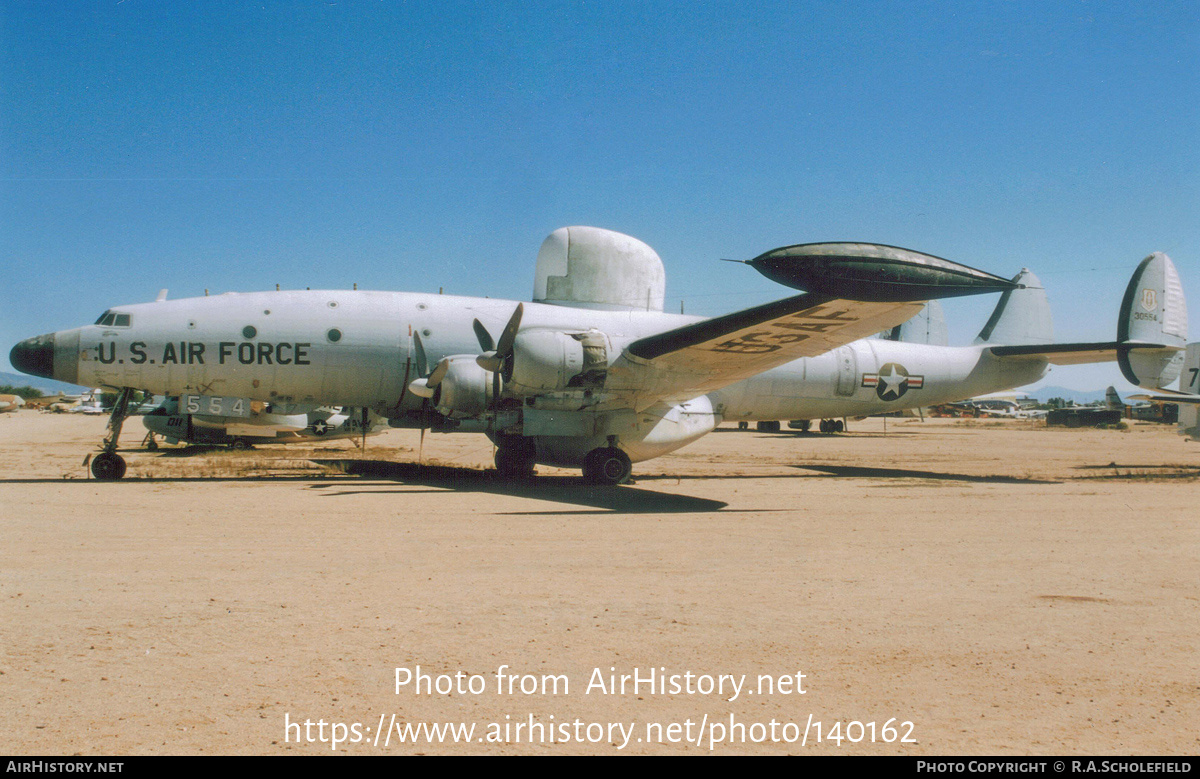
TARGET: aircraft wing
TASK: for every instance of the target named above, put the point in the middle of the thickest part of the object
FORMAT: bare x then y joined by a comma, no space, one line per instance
694,359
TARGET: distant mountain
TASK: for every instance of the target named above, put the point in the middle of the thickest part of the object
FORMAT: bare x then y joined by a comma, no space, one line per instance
47,386
1079,397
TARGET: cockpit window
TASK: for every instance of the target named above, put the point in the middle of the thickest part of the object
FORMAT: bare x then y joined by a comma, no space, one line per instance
113,319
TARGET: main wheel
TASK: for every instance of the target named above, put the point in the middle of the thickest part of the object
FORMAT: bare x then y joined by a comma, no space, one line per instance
607,465
768,427
107,466
239,445
515,461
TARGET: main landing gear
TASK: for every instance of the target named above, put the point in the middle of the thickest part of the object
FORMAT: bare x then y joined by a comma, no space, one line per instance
832,426
108,465
515,456
607,465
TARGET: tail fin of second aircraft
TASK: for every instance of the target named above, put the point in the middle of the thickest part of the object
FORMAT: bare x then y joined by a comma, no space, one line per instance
1022,316
1189,413
1112,400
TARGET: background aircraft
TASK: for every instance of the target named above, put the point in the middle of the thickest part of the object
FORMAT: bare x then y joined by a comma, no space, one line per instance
593,374
1188,396
260,427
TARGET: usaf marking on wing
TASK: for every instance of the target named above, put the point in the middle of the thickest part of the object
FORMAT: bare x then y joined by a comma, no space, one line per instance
593,374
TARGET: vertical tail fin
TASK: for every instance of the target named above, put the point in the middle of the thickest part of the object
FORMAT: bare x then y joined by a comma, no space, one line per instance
1113,400
1022,316
1153,311
927,327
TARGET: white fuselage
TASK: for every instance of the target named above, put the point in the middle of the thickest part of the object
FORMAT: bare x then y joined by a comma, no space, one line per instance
356,348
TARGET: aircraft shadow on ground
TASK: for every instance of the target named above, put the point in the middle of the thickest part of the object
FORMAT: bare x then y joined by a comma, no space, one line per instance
556,489
860,472
1150,471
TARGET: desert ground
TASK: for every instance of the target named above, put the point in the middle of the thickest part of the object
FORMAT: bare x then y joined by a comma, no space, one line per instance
944,587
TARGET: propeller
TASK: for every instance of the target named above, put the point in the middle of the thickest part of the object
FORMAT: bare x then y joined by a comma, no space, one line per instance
421,386
497,358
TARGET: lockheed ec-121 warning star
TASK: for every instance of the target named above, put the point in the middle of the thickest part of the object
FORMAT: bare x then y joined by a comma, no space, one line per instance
593,373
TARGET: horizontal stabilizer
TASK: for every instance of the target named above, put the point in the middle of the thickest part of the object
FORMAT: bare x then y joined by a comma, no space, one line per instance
1151,330
1079,353
1167,396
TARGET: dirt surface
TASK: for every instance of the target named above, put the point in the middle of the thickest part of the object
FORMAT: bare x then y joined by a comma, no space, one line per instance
1003,587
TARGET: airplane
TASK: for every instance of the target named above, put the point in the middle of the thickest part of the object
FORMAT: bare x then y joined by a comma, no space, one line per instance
1187,396
86,403
997,407
11,402
593,374
175,423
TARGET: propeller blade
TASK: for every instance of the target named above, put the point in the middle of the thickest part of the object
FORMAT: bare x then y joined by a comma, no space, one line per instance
439,372
421,388
419,349
490,361
505,346
486,344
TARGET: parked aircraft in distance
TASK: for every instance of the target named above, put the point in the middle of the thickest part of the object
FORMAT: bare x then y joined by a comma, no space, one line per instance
11,402
992,406
593,373
173,422
86,403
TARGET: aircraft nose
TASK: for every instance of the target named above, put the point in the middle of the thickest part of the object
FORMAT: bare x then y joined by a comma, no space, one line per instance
34,356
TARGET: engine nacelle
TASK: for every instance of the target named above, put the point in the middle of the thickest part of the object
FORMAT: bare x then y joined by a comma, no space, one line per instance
466,389
554,360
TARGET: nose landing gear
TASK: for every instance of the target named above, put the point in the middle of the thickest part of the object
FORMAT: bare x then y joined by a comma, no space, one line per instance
108,465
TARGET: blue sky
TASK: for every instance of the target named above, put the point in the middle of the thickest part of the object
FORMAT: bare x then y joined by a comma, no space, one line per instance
412,146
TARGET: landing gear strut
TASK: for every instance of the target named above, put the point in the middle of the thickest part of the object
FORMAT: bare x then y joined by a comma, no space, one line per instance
607,465
108,465
515,456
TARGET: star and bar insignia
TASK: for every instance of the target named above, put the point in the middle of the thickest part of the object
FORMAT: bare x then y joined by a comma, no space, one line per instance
892,381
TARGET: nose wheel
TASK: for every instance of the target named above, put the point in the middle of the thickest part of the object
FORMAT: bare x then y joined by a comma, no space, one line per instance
108,465
607,465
